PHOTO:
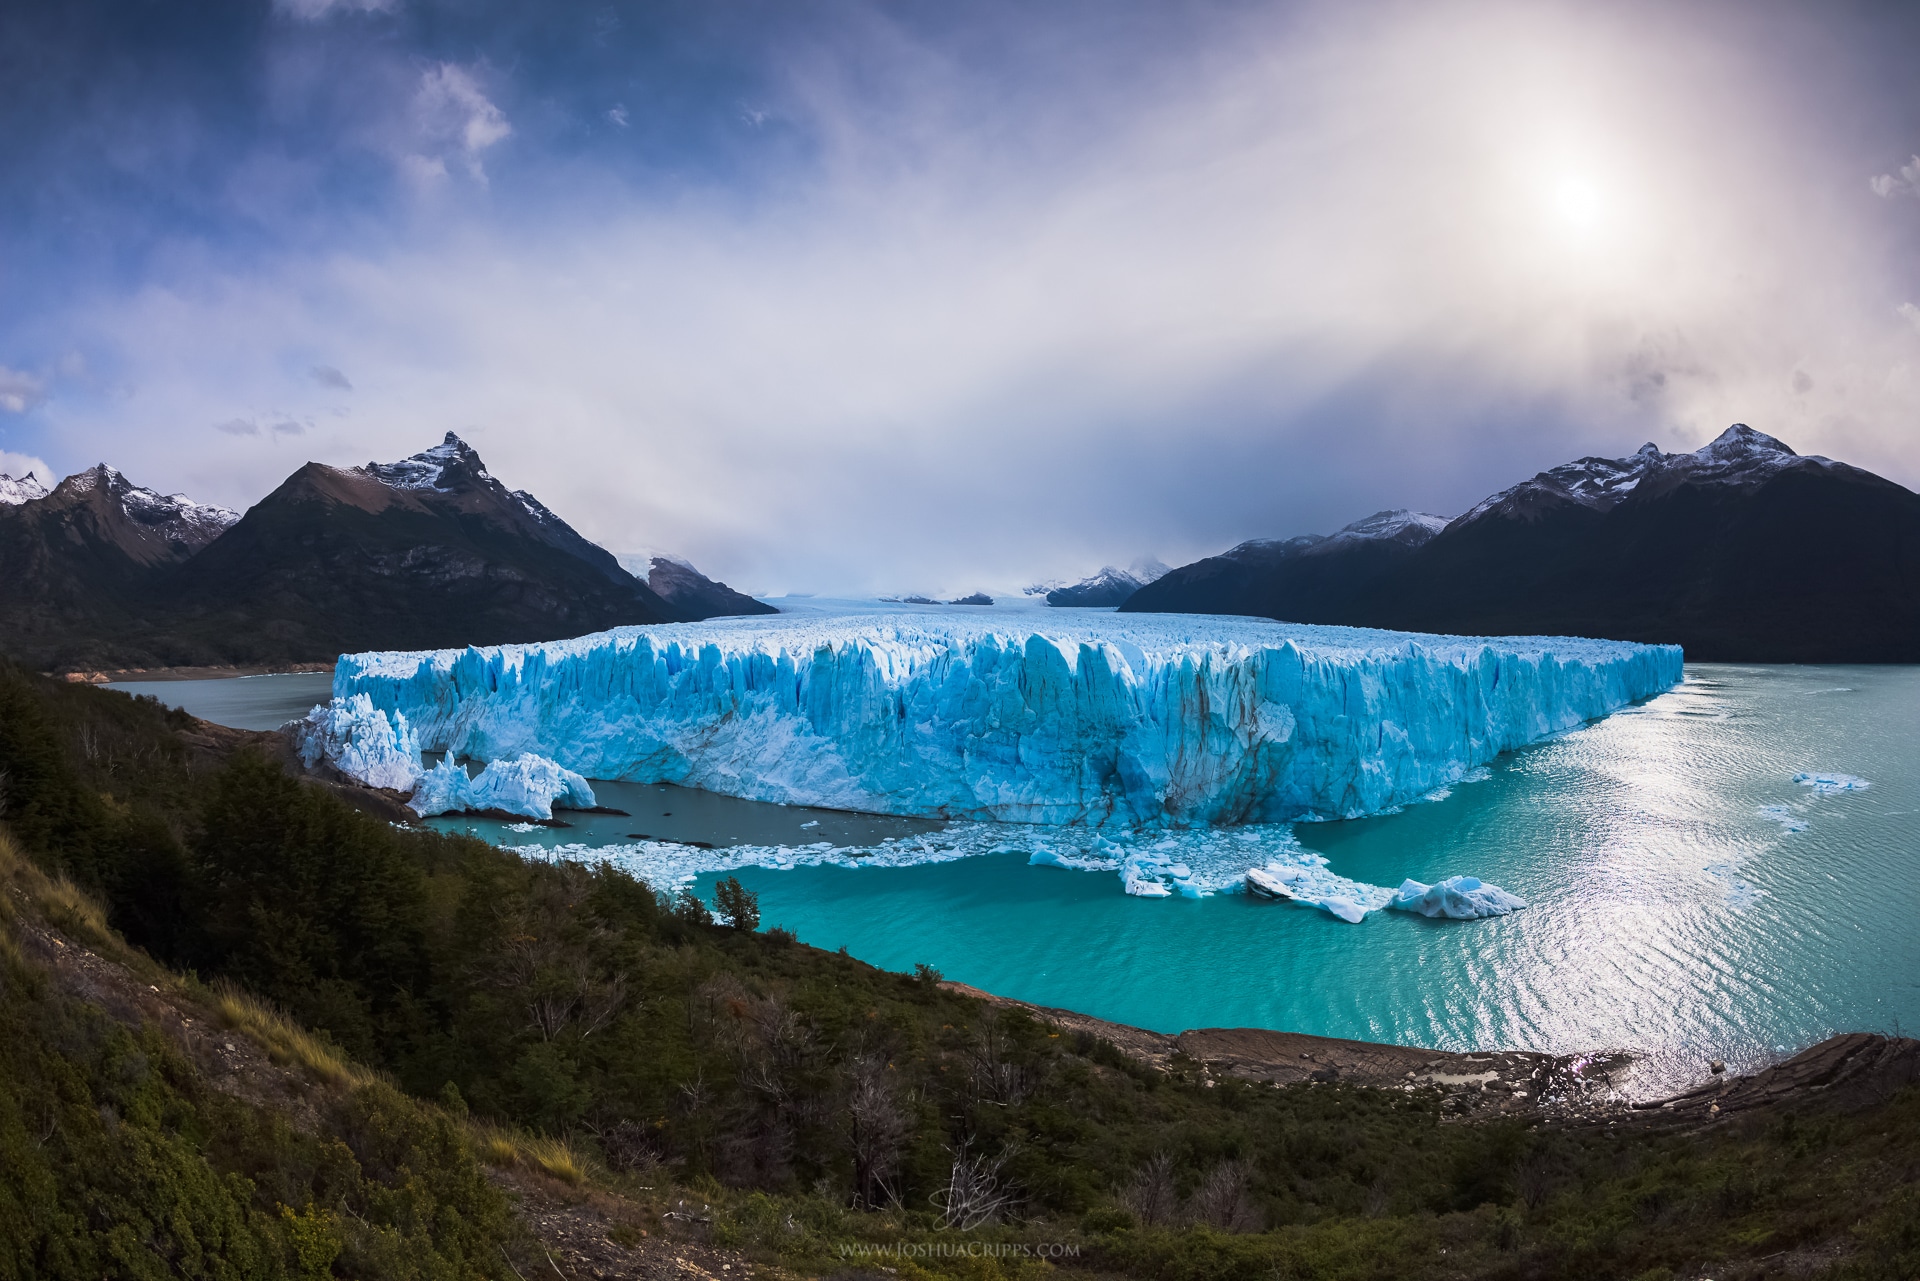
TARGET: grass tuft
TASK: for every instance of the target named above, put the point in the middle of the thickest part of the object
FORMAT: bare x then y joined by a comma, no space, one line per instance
285,1041
498,1145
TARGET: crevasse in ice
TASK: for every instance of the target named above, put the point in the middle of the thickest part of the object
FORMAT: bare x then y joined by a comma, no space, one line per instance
1107,720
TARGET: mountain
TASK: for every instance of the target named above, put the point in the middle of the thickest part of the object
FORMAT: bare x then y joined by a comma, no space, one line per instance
1109,587
15,490
1740,551
688,590
84,562
428,552
1312,578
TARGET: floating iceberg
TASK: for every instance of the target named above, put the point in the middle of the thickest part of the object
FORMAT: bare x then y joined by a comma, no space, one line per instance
526,784
1106,721
1459,898
1784,816
359,740
529,784
1823,783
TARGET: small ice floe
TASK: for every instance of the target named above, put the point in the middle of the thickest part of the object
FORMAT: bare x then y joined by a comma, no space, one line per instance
1458,898
1826,784
522,827
1302,877
1784,816
1264,884
1740,893
814,823
1151,873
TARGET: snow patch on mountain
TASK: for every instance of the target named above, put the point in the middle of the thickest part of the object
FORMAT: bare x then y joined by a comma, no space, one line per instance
15,490
426,469
1096,719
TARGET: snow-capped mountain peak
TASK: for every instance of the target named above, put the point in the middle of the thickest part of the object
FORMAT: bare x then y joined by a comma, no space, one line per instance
451,460
1738,456
174,515
1400,525
15,490
1741,444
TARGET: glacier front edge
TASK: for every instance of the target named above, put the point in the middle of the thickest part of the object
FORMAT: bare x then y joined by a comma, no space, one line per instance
1106,719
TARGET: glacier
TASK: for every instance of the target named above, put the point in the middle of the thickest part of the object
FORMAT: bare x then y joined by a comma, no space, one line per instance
1103,721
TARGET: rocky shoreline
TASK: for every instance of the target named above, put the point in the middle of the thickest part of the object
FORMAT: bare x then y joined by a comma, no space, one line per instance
1577,1089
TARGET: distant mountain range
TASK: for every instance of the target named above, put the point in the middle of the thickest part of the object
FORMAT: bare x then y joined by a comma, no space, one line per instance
427,552
1740,551
1109,587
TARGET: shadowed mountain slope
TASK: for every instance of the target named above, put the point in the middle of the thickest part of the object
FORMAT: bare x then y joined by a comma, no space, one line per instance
1740,551
427,552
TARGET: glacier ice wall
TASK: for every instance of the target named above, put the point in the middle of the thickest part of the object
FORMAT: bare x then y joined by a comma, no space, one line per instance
1102,720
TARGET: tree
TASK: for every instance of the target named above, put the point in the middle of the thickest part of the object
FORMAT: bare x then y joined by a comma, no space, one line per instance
740,905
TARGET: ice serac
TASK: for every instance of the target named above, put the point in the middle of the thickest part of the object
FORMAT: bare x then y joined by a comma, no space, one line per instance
1104,720
530,785
527,784
361,741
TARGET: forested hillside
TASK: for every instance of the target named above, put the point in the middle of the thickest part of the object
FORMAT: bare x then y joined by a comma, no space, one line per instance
809,1104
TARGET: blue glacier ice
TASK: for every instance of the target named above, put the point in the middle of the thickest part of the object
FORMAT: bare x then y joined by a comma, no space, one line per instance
361,741
1106,721
1459,898
380,749
1825,784
529,784
525,784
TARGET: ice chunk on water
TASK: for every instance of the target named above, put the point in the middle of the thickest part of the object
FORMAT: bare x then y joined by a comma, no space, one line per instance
527,784
1828,783
531,785
1102,720
361,741
1459,898
1784,816
1740,893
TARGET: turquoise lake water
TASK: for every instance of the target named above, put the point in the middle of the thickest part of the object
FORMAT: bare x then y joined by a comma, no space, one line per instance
1688,898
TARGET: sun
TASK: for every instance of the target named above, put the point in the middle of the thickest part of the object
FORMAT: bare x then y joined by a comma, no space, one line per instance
1578,203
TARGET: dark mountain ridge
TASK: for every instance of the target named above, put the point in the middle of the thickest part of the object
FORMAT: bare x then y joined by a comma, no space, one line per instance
1740,551
428,552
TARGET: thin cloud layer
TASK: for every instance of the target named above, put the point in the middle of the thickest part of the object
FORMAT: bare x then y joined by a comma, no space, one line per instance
968,319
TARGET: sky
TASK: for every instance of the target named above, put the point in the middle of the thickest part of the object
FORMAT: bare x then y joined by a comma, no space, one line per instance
901,296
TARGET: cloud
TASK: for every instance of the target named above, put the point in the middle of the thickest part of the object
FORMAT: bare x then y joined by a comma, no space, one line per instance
276,424
19,466
452,114
985,324
20,391
328,376
618,114
316,10
1906,183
